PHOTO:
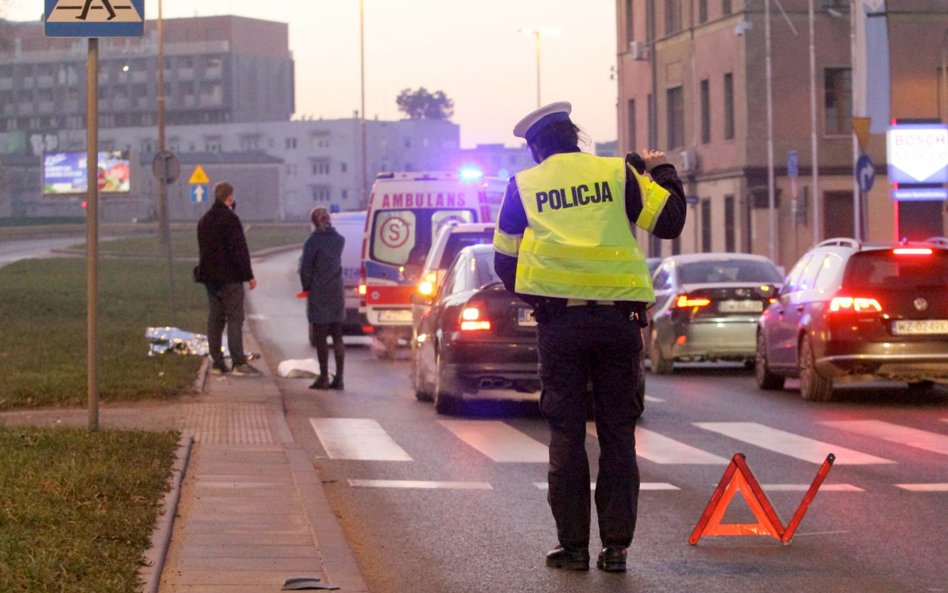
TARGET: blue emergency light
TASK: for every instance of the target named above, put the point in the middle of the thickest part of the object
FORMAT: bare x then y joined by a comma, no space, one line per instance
470,173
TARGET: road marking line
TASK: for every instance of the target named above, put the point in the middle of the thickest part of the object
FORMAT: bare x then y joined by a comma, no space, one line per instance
357,438
642,486
943,487
499,441
420,485
658,448
903,435
789,444
805,487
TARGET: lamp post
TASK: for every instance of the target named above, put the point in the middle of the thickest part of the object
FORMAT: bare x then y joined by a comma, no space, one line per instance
537,33
364,172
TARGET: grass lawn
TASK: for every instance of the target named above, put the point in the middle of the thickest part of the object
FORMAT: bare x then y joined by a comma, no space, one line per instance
184,240
77,509
43,334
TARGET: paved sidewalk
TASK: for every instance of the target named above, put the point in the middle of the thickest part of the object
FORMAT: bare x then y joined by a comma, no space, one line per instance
252,510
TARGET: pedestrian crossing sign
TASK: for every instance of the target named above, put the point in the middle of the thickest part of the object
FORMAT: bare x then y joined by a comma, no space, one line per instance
199,176
95,18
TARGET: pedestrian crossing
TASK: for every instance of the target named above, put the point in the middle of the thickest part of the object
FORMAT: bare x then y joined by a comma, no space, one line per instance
364,439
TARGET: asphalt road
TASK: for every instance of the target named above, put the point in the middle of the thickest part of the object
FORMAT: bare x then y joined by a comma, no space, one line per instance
457,504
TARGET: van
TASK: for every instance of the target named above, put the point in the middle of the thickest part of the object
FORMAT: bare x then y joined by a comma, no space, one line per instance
351,225
406,211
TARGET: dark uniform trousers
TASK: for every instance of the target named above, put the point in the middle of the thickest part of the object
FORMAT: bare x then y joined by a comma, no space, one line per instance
600,344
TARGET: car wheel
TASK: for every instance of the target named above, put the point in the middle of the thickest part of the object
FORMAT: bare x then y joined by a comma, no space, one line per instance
445,401
660,364
813,386
765,379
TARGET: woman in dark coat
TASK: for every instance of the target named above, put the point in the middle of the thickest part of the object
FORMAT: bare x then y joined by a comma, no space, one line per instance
321,277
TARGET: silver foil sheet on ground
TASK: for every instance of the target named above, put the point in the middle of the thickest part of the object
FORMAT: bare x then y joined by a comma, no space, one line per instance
162,340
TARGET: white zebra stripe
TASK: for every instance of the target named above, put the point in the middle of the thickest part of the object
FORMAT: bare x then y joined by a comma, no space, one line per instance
903,435
357,438
498,441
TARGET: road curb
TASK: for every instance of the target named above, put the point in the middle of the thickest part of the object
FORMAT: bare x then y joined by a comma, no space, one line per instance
150,573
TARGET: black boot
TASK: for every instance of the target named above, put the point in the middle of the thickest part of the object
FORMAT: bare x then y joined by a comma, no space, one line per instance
321,382
568,558
611,559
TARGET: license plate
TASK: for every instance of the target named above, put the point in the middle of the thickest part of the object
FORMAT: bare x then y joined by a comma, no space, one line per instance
525,318
395,316
741,307
919,327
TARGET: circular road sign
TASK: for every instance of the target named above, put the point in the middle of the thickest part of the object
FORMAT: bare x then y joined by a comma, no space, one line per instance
166,166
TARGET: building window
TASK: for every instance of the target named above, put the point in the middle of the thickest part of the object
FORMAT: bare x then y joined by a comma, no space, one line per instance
730,243
320,141
672,16
320,193
343,167
250,142
836,4
837,100
702,11
291,143
706,225
212,144
630,114
729,106
726,7
676,117
705,111
321,167
629,30
652,127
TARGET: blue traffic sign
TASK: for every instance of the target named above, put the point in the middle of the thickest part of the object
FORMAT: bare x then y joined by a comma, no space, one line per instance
865,173
199,192
95,18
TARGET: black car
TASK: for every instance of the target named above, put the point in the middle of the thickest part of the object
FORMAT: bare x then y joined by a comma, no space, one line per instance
477,335
850,312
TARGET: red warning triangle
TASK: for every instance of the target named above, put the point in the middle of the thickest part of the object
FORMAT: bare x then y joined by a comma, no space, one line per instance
738,478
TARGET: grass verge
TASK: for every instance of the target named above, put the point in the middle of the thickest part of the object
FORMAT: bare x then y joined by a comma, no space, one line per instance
43,334
77,509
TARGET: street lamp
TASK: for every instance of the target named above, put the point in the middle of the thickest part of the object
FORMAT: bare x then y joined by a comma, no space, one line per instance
537,33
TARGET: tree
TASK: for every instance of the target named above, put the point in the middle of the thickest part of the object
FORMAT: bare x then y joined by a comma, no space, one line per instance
421,104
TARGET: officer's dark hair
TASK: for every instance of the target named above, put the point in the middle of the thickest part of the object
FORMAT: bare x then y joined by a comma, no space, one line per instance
556,137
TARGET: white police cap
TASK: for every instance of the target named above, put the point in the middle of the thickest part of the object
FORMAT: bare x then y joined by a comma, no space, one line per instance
529,126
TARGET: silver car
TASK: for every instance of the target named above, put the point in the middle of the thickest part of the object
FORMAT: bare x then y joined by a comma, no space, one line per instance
707,306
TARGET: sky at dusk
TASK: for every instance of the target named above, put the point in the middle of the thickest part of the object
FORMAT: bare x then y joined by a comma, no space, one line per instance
470,50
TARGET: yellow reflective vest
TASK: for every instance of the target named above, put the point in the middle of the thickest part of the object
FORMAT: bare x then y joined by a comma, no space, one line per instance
578,242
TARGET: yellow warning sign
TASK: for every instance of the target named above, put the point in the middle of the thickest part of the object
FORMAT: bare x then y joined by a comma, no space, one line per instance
94,11
199,176
861,128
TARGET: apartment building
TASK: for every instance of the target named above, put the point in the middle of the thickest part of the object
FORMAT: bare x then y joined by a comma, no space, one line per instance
693,80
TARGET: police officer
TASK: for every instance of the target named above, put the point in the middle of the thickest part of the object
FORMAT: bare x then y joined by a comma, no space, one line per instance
564,244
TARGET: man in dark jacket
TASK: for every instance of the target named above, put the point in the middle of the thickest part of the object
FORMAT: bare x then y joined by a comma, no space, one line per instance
321,278
224,266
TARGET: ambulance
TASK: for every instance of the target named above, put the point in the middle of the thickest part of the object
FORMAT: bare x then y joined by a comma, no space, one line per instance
406,211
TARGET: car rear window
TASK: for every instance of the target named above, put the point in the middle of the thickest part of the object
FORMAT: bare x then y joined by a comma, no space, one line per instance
484,272
728,270
458,241
886,269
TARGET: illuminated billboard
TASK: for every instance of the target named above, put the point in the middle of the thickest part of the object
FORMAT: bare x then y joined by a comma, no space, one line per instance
65,173
917,153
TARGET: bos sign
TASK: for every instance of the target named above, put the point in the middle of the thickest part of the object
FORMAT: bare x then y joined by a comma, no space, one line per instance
917,153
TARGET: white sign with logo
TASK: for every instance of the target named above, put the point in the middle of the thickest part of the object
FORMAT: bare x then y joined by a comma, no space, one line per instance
917,153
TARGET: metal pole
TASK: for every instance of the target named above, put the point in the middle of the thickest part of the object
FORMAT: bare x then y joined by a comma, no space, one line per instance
856,53
92,231
163,182
771,198
814,145
362,183
536,36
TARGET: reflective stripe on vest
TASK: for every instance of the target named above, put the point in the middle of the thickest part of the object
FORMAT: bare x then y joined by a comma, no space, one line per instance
654,197
579,243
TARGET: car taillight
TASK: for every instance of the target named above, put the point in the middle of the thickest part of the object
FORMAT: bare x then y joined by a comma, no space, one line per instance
474,318
685,301
912,251
855,305
427,284
363,288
